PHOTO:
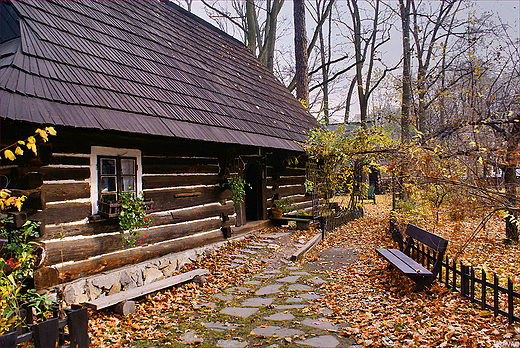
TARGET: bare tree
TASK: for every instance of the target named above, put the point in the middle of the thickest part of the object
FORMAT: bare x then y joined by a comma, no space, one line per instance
300,51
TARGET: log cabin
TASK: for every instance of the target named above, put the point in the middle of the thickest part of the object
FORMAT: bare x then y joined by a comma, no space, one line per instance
149,98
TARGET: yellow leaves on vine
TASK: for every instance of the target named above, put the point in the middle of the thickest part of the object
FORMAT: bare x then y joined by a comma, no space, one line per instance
30,143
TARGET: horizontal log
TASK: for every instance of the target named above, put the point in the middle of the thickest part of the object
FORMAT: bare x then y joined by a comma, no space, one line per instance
286,191
292,171
170,168
60,213
112,225
79,249
166,200
81,269
176,161
152,182
70,160
63,192
287,180
54,173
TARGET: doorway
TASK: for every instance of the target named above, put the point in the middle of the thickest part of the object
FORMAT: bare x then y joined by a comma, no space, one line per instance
254,198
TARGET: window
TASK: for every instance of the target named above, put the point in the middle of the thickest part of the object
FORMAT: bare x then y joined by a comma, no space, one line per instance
113,170
116,174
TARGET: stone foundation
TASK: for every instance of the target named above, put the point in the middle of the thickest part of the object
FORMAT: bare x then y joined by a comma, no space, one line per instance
107,283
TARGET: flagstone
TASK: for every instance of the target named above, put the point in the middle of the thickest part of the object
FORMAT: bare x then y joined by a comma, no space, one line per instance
269,289
289,279
310,296
190,336
271,331
223,297
257,301
219,326
317,280
232,344
325,341
293,300
291,306
253,282
242,312
238,289
321,323
301,273
280,316
299,287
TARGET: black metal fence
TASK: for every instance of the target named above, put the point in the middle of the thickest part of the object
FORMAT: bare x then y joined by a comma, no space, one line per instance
474,286
330,222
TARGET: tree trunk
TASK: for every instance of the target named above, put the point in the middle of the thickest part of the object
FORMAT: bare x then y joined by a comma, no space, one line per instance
511,180
406,100
324,69
300,50
251,26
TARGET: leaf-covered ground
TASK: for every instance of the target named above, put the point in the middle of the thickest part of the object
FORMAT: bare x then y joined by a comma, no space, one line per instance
377,304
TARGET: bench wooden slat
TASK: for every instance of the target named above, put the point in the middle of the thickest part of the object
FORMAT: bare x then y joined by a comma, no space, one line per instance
405,264
111,300
427,238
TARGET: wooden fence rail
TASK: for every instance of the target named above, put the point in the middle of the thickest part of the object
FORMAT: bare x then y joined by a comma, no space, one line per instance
465,279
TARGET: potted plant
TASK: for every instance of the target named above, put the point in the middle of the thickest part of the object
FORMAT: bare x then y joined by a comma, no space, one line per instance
132,216
281,207
237,185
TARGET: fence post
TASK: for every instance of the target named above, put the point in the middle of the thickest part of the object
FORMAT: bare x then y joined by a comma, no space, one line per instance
484,285
322,226
495,295
510,307
454,269
464,281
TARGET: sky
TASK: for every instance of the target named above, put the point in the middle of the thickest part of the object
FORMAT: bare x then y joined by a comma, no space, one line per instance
507,11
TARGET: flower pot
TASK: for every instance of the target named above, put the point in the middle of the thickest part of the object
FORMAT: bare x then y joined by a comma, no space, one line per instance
276,213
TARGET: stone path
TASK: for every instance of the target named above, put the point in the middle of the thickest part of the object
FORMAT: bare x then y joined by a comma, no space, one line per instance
278,307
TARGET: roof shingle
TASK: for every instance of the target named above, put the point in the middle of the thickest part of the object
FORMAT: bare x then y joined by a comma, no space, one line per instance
143,67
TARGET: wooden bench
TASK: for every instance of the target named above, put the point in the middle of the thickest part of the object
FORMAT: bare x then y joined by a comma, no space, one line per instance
403,261
121,299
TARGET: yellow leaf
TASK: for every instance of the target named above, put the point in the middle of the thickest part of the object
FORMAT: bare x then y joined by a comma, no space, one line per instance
43,134
9,155
18,151
484,313
4,194
32,147
510,113
50,130
31,140
21,142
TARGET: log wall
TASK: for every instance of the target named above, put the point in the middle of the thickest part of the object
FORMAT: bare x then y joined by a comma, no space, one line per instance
184,179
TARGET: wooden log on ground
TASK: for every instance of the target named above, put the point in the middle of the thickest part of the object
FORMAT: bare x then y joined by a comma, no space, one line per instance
308,246
125,307
110,300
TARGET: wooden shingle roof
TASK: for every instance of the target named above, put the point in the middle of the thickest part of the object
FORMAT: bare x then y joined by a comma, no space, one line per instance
141,67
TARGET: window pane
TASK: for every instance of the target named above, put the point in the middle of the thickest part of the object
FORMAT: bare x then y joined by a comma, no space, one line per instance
127,166
128,183
108,184
110,197
108,166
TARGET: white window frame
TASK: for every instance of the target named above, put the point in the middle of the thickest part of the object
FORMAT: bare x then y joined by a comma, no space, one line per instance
96,151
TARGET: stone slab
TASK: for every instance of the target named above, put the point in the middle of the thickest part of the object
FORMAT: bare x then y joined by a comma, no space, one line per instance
273,271
223,297
325,311
280,316
290,306
280,332
310,296
320,323
325,341
238,260
256,246
293,268
232,344
264,276
253,282
301,273
289,279
237,289
299,287
269,289
294,299
191,336
233,265
249,251
262,244
219,326
242,312
257,301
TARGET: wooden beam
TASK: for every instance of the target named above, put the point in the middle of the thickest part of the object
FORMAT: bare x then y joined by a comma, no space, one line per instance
63,192
79,249
85,268
107,301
